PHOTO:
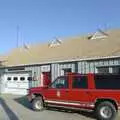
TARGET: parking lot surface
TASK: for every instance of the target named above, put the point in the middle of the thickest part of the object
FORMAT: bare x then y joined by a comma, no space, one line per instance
18,108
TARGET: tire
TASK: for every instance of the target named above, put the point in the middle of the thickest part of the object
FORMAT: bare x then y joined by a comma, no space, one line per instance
106,111
37,104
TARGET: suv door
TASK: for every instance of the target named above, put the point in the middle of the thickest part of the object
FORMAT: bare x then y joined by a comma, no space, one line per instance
58,92
79,93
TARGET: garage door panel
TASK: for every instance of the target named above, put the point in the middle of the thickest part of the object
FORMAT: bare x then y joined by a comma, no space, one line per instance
24,85
12,85
17,83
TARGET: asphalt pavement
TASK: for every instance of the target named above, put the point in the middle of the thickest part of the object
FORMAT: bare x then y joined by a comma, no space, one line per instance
13,107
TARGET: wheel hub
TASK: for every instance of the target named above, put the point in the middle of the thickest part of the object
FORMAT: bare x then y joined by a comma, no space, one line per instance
106,112
38,105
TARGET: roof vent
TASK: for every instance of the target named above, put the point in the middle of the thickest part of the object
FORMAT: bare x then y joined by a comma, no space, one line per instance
55,42
26,46
98,35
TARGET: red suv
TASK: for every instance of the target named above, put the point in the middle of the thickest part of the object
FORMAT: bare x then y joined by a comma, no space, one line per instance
97,92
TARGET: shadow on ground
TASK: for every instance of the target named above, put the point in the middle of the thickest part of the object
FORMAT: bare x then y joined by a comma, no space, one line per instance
23,101
9,112
88,114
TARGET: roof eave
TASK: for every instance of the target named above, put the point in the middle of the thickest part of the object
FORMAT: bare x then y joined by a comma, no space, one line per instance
67,60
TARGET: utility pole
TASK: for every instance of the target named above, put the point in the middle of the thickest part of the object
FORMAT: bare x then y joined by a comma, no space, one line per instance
17,36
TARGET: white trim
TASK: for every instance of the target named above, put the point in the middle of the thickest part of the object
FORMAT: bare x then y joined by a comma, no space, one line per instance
67,60
69,103
57,102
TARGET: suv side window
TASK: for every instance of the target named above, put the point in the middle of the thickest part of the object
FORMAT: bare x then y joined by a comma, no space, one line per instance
108,81
80,82
59,83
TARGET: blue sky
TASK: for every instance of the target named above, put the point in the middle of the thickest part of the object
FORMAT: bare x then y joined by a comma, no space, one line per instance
42,20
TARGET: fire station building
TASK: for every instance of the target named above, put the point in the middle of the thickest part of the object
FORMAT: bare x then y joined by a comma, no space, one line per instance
29,66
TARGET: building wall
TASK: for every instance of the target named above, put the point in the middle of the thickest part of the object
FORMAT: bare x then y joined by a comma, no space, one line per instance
2,71
37,70
93,65
58,69
83,67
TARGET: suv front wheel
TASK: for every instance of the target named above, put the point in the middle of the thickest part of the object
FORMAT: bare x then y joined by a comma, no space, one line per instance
106,111
37,104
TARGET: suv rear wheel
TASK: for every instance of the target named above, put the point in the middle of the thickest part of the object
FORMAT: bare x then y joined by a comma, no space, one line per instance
37,104
106,111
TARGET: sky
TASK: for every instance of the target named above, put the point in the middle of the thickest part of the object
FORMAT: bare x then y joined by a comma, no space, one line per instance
41,21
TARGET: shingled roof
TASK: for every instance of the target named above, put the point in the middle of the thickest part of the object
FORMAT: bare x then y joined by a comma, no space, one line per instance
80,47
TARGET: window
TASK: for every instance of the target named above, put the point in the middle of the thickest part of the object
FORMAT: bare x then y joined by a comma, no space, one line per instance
110,81
116,70
22,78
103,70
61,82
29,78
80,82
16,68
67,70
15,78
9,78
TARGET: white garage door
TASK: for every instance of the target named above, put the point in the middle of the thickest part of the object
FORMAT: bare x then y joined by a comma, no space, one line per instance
16,83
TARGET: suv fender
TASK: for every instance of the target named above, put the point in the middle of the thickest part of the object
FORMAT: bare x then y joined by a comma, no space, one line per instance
99,100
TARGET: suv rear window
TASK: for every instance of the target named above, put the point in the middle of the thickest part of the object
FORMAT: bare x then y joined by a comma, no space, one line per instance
80,82
107,81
